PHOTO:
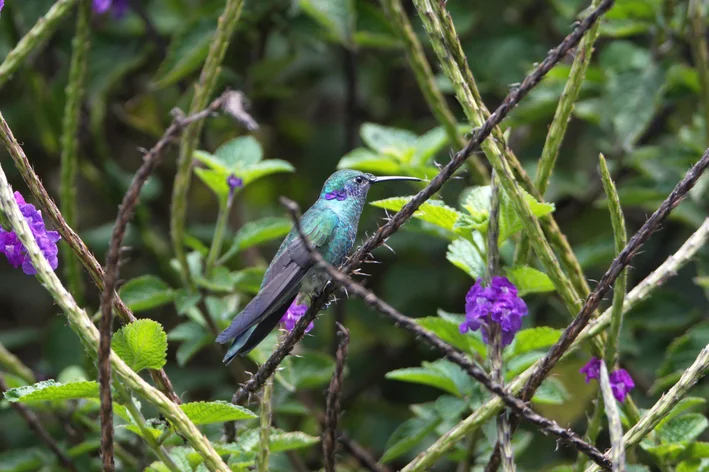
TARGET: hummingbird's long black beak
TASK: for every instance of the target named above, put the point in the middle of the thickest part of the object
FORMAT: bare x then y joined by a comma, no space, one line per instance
389,178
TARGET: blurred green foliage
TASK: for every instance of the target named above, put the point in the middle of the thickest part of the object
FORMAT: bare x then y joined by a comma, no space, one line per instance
639,106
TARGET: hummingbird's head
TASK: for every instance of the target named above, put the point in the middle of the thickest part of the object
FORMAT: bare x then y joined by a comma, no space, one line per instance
349,184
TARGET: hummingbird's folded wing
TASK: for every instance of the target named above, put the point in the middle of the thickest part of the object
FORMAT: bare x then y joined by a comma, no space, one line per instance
284,276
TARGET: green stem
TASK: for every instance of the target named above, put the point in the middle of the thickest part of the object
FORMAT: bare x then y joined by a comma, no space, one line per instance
592,431
87,332
265,426
493,406
621,239
13,365
572,89
557,129
139,420
34,39
426,82
619,289
698,44
203,91
70,142
217,241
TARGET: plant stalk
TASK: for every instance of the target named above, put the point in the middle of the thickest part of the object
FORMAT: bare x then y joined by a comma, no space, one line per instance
34,39
204,89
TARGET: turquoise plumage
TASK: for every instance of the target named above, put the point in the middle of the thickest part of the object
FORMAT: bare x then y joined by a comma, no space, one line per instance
331,227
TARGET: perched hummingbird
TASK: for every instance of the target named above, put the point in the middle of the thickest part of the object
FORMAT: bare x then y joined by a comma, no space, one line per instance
331,227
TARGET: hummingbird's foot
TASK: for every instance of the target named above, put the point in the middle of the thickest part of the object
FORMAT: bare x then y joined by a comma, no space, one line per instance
333,299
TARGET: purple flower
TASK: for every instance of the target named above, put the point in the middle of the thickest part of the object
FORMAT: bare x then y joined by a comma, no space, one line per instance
234,182
2,4
118,7
294,313
498,302
13,249
592,369
621,382
336,195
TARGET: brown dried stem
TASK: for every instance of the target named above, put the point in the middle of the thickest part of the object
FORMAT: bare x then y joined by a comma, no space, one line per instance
332,405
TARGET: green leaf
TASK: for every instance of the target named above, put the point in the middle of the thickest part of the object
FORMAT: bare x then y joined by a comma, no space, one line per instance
519,364
220,281
142,345
281,441
551,392
684,349
145,293
367,161
433,211
686,427
186,52
462,254
337,16
428,144
529,280
667,452
441,374
477,204
532,339
239,153
186,300
51,390
633,90
185,458
154,432
194,338
215,412
264,168
425,376
408,435
258,232
449,331
698,450
682,406
216,180
395,142
248,280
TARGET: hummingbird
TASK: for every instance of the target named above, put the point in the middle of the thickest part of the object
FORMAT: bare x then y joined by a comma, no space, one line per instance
331,227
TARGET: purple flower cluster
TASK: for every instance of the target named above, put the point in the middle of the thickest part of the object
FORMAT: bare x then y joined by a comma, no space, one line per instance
294,313
497,302
336,195
2,4
13,249
118,7
621,381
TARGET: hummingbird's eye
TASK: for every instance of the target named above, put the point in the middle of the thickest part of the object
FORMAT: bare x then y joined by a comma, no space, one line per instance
359,180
